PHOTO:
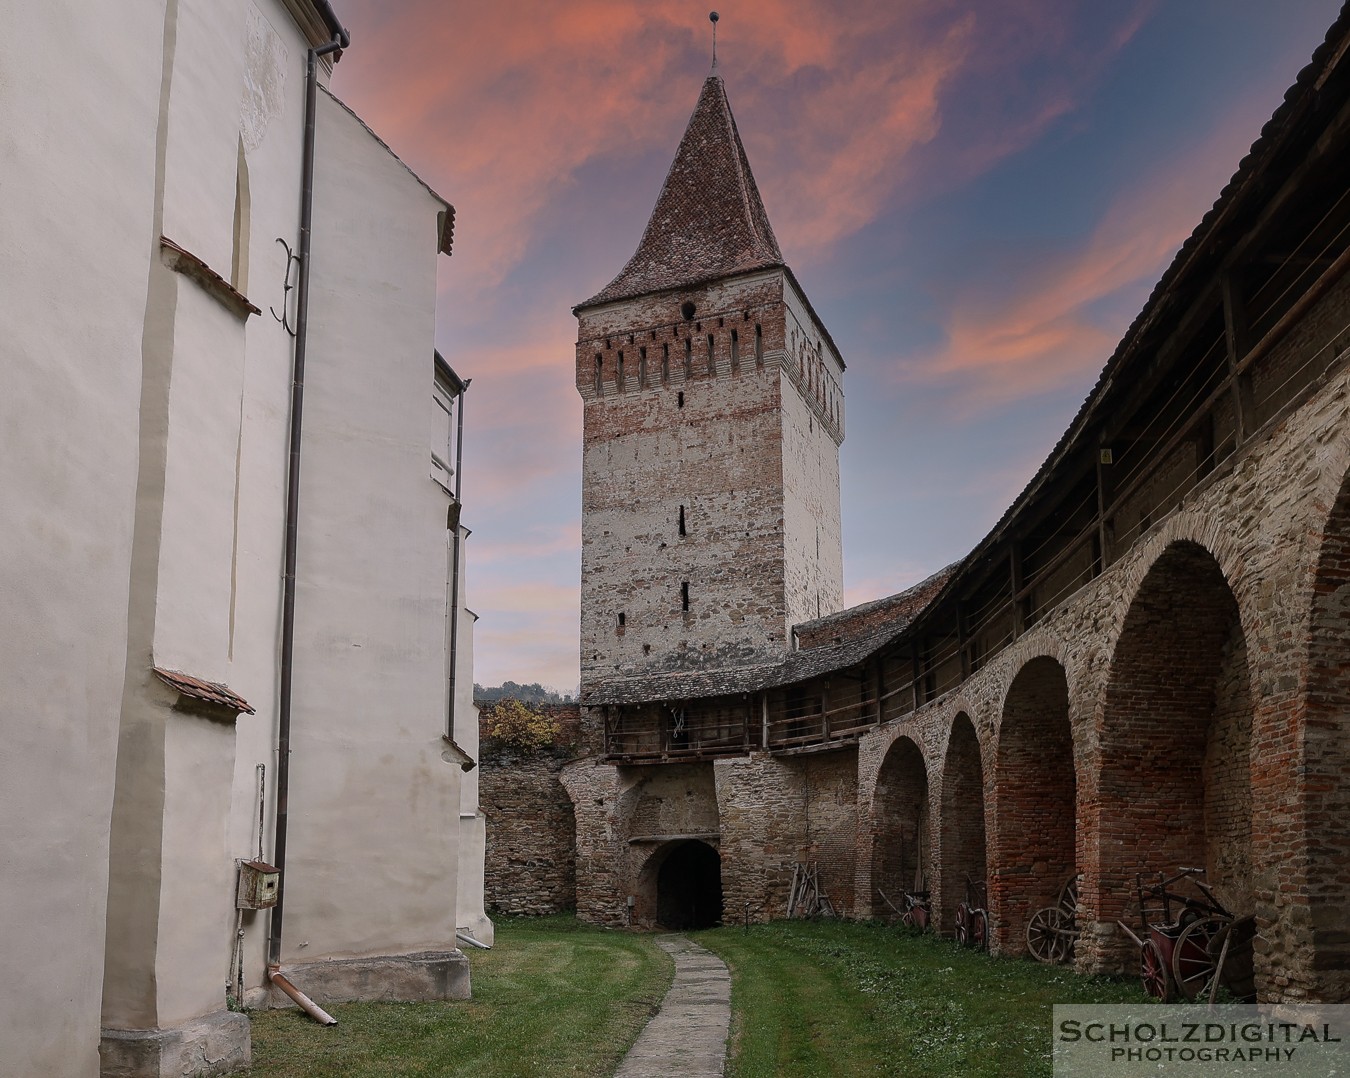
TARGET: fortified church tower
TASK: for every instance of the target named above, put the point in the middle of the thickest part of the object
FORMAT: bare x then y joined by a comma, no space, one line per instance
714,410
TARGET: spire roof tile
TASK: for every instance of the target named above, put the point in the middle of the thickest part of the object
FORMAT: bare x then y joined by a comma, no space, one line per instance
709,220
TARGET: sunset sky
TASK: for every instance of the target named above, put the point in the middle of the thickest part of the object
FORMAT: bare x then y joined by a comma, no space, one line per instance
977,197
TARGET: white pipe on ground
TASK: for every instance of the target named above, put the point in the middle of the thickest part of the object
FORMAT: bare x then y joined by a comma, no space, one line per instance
464,937
306,1004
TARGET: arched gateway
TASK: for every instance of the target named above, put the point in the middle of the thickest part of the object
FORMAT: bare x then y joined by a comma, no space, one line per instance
682,881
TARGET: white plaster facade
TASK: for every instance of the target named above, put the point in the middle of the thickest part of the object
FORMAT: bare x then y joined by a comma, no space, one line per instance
145,418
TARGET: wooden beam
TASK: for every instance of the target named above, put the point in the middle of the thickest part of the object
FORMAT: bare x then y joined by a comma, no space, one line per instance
1237,337
1103,478
914,687
1015,582
961,640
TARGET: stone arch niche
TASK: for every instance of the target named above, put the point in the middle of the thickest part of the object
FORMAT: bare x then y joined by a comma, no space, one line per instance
1326,763
682,883
961,825
1174,782
900,836
1034,833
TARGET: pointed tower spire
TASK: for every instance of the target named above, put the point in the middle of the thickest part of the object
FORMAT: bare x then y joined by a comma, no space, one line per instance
712,18
709,220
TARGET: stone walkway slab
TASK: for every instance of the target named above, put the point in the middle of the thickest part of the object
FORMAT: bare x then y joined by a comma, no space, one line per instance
688,1036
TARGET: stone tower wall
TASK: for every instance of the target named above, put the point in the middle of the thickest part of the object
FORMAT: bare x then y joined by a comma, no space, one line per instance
813,427
710,477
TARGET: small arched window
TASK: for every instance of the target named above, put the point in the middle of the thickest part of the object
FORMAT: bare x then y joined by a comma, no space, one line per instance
599,371
618,378
665,363
759,346
689,357
735,352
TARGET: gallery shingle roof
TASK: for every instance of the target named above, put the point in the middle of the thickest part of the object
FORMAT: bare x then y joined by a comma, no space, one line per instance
896,612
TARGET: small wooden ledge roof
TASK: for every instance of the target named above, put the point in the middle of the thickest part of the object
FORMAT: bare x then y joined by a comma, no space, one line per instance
210,691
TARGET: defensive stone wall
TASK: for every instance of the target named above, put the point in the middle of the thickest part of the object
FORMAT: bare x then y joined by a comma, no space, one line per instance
530,864
1153,719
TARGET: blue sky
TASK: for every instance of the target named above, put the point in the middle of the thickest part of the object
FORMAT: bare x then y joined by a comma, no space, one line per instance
977,197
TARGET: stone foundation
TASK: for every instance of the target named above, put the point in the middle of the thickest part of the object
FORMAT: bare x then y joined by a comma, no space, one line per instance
409,978
213,1044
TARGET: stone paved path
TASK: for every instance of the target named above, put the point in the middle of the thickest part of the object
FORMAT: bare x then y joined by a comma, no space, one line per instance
688,1036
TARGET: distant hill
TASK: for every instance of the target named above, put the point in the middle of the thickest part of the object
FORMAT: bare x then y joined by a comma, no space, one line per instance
526,694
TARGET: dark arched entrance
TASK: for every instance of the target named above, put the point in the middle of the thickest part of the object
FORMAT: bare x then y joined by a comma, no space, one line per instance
1034,834
689,887
961,829
900,839
1174,787
1316,915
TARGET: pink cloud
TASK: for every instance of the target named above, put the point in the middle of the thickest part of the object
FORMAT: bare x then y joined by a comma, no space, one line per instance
540,541
527,629
500,105
1033,328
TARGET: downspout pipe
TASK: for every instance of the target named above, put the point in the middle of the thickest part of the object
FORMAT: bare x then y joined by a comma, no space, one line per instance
340,41
454,558
303,1001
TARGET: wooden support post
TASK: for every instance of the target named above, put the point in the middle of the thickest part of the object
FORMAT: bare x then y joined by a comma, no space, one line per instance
914,688
1237,336
1015,582
825,708
1105,460
881,687
764,706
961,641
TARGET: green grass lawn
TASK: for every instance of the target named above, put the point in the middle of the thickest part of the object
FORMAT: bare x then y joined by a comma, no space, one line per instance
831,998
553,997
556,997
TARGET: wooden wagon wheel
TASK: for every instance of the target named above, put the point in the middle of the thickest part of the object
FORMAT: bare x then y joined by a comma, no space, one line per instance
962,924
979,929
1153,972
1068,895
1193,967
1047,940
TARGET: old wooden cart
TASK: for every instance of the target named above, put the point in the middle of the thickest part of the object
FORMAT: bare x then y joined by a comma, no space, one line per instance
1190,943
972,916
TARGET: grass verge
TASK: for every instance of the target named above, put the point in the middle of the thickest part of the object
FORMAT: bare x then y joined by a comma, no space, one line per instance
553,997
833,998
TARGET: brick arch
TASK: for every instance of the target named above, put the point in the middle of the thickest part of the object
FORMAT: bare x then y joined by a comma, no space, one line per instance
1325,758
874,746
961,848
900,837
1216,537
873,750
1173,782
1033,840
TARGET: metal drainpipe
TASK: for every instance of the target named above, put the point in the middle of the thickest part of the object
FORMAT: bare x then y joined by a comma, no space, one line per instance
454,558
340,41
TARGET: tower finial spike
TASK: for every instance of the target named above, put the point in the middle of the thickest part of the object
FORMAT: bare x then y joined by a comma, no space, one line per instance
712,18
